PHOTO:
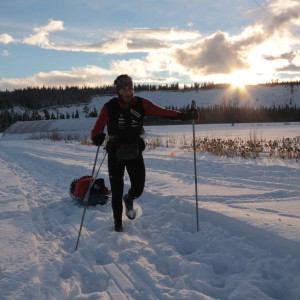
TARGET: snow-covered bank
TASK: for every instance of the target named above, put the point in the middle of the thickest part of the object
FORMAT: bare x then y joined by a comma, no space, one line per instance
82,128
247,246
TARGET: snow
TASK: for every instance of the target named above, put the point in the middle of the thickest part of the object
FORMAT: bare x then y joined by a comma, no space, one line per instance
247,246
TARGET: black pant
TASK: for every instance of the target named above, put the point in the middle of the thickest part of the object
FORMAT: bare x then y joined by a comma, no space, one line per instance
136,171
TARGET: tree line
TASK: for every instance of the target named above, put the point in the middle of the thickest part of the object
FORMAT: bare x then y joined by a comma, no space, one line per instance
9,117
35,98
36,102
42,97
228,114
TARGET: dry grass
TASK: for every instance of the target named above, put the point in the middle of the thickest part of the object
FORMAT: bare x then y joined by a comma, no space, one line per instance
285,148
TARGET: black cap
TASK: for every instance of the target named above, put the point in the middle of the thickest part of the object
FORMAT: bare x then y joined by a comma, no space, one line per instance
123,80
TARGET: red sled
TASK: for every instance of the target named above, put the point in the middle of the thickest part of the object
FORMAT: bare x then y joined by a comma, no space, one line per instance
99,193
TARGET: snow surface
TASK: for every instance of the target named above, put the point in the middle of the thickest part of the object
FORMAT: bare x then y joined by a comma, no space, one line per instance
249,220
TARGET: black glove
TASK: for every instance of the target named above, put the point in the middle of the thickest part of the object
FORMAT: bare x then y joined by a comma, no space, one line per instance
98,139
110,147
191,114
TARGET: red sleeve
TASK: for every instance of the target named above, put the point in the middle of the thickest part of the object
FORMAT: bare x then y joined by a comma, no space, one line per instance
151,109
101,122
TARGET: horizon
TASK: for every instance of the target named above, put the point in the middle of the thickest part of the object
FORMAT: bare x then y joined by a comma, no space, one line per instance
181,87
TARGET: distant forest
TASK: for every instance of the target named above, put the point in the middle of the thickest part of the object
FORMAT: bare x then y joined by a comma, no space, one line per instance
34,100
38,98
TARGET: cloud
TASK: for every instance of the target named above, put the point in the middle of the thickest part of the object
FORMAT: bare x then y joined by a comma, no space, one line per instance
149,65
292,68
84,76
283,16
128,41
6,39
156,39
216,54
286,56
221,53
117,42
41,36
5,53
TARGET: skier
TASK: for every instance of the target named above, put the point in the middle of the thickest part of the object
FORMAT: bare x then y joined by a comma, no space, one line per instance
123,115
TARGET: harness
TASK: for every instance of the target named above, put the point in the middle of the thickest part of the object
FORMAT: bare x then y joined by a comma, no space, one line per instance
125,125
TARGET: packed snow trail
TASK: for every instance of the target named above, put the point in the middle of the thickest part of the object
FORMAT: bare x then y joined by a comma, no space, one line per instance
160,255
19,255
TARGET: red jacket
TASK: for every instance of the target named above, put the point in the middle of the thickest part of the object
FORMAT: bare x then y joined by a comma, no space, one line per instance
150,109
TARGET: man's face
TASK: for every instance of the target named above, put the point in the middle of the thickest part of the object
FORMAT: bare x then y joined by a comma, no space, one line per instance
126,92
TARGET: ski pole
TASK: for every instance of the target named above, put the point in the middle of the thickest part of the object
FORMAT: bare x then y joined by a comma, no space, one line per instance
101,164
195,167
86,197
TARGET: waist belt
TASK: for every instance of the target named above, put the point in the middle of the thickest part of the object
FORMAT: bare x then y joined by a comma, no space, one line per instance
113,138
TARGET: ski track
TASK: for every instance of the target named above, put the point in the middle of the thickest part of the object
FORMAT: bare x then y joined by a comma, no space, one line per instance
144,263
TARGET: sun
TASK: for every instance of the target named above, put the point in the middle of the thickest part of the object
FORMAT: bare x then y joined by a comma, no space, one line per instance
239,79
238,84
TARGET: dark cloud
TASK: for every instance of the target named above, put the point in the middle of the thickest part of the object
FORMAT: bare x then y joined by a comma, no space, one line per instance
213,55
291,68
288,56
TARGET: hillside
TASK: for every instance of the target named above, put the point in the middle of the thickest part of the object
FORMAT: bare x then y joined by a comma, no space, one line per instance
279,103
253,96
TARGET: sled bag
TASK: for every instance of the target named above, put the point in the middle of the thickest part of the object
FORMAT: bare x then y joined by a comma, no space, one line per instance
98,193
79,187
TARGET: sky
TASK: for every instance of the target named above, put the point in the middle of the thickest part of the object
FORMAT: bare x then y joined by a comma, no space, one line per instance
91,42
